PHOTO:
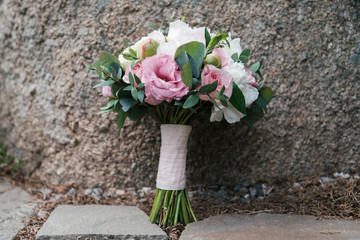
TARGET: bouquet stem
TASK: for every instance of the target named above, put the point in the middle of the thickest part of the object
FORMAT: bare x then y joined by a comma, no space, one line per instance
171,207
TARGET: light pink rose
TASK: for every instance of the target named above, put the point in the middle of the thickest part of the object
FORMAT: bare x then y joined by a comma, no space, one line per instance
106,92
209,75
225,60
137,70
252,80
162,79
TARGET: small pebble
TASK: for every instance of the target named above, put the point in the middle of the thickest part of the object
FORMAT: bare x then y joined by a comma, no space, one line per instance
56,198
97,191
70,192
246,184
119,192
297,185
134,193
42,213
253,193
146,190
142,200
45,191
237,187
326,180
342,175
88,191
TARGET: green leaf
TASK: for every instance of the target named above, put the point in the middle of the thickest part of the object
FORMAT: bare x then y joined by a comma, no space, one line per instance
186,75
132,53
215,40
127,88
126,103
103,84
111,103
222,90
115,87
213,101
137,112
223,99
262,103
235,57
207,37
141,95
141,85
131,79
255,67
129,57
193,53
153,27
92,67
208,88
243,59
266,93
121,119
248,122
245,52
106,60
134,93
237,99
137,79
191,101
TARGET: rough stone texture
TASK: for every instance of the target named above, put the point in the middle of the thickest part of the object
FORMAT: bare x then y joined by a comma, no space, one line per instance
69,222
50,113
15,206
270,226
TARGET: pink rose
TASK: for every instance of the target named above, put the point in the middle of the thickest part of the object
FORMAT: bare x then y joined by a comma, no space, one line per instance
106,92
252,80
209,75
162,79
224,58
137,70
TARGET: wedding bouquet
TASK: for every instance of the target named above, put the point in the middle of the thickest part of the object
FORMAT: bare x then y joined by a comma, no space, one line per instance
173,78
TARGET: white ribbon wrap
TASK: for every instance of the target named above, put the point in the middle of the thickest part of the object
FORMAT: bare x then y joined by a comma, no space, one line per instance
172,164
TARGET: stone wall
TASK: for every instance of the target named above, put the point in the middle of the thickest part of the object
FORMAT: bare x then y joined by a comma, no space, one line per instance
50,113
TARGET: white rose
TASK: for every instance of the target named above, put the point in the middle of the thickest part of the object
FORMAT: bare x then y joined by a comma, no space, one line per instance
124,63
234,47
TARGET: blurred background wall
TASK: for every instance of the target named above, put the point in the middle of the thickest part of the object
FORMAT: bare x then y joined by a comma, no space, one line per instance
49,112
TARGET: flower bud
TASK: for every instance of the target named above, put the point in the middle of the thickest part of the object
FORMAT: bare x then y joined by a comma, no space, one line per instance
213,59
147,49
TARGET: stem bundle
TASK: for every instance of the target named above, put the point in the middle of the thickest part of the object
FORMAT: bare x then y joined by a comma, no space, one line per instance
171,207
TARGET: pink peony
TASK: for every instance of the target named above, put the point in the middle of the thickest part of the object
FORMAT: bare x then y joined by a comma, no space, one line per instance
209,75
162,79
251,80
137,70
225,60
106,91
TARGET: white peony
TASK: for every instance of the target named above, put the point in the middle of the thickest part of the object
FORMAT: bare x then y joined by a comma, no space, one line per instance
179,34
234,47
242,79
124,63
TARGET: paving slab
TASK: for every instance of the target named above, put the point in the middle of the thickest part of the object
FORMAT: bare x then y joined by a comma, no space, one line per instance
16,206
97,222
271,226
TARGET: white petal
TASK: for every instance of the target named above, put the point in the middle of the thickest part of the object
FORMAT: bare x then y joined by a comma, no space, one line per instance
231,114
216,114
168,48
157,36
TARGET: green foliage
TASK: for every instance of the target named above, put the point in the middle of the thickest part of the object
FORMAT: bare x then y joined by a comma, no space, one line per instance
189,58
215,41
191,101
237,99
208,88
7,162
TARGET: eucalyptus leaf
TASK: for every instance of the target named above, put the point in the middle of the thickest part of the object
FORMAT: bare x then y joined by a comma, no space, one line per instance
186,75
121,119
153,27
126,103
237,99
235,57
103,84
262,103
191,101
141,95
208,88
131,79
141,85
207,37
255,67
127,88
245,52
134,93
92,67
215,40
137,112
243,59
213,101
193,53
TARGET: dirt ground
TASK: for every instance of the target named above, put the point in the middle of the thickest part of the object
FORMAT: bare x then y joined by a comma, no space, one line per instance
307,196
